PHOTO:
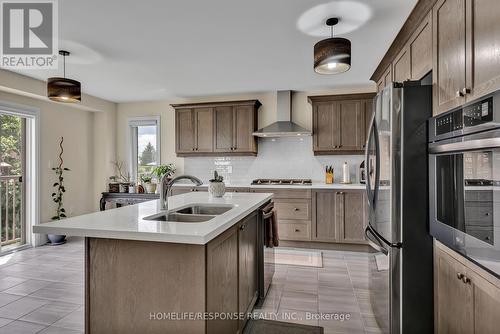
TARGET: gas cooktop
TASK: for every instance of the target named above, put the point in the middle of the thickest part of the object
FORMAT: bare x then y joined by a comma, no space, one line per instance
284,182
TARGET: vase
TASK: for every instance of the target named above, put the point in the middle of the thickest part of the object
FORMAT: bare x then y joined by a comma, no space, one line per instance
217,189
150,188
56,239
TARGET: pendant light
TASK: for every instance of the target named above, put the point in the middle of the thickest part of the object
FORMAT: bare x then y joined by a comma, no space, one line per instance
332,55
63,89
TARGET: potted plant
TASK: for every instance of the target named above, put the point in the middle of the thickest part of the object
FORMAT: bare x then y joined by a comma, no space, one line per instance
163,170
147,182
216,186
123,177
57,197
113,185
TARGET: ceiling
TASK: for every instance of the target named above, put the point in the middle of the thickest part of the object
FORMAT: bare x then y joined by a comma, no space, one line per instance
129,50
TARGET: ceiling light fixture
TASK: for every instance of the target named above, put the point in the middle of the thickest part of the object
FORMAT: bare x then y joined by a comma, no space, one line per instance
332,55
63,89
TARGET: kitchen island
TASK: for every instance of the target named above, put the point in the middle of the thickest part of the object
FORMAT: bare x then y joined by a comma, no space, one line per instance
145,275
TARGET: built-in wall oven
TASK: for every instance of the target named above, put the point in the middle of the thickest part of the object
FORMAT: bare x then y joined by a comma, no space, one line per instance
464,165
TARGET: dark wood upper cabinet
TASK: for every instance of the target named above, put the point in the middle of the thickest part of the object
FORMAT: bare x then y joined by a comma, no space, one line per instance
245,123
212,129
465,52
352,126
223,129
203,118
482,47
401,67
420,49
449,54
340,123
185,131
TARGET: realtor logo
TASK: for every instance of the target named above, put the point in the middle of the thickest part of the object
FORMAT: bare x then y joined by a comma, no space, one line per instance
29,34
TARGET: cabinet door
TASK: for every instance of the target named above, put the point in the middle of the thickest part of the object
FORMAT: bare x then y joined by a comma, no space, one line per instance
325,124
388,76
244,126
185,131
420,48
448,54
483,47
486,304
222,281
326,215
352,210
368,119
247,248
380,85
351,125
204,129
454,298
401,67
224,131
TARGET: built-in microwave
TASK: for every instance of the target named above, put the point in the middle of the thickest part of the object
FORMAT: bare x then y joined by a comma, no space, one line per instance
464,178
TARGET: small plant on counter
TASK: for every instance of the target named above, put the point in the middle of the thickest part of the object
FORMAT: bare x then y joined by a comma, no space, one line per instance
217,177
147,182
146,178
163,170
58,196
216,186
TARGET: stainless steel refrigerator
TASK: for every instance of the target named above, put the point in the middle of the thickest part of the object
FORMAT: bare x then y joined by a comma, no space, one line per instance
400,268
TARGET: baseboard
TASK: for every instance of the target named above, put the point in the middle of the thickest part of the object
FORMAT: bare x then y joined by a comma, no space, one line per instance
327,245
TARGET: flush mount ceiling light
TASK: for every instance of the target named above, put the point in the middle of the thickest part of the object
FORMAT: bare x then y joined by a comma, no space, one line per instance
63,89
332,55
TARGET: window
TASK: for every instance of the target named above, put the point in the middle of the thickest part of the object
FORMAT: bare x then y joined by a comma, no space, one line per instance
145,145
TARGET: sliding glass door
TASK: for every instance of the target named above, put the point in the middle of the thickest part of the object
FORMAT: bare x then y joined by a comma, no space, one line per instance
12,185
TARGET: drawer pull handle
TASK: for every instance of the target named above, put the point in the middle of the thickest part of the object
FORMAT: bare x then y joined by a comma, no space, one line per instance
466,280
296,209
297,230
487,213
459,94
460,276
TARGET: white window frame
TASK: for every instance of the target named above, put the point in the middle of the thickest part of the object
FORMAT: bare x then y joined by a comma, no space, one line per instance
32,198
132,140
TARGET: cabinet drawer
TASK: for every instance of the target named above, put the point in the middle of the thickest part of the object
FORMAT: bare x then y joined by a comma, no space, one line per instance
295,209
237,190
293,230
479,213
285,193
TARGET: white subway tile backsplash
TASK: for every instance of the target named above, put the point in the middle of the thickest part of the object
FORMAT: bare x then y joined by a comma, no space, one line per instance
277,158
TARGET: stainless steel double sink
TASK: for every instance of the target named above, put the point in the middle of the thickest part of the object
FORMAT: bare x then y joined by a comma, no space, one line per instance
195,213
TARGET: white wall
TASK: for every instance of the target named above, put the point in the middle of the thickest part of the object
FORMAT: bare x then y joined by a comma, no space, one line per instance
89,141
302,115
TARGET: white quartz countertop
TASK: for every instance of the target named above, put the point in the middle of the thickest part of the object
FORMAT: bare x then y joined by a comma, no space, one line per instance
315,185
128,222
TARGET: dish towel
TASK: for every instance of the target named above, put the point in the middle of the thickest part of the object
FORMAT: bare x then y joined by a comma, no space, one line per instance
270,226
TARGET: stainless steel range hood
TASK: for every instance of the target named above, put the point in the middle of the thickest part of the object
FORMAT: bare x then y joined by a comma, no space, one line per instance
284,127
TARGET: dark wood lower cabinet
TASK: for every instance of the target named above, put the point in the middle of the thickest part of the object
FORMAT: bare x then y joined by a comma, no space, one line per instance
466,297
133,286
222,281
247,266
339,216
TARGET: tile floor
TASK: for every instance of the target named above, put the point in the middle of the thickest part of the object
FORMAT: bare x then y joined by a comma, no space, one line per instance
339,288
41,291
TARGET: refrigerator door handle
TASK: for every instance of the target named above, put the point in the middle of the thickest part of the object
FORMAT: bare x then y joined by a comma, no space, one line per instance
372,193
377,163
369,192
382,239
374,241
